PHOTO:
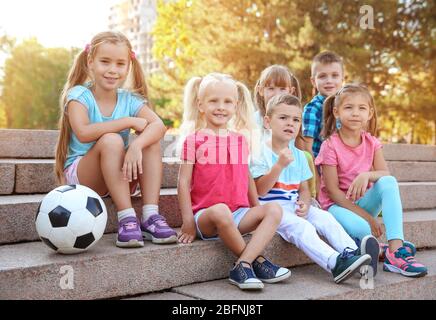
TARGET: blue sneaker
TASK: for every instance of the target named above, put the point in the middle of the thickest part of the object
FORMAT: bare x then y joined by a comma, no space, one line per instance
369,245
347,263
242,275
268,272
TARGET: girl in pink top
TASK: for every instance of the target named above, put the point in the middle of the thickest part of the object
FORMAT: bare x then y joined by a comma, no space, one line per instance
356,184
217,195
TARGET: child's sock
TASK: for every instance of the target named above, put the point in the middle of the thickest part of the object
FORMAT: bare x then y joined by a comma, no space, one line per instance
332,261
148,210
130,212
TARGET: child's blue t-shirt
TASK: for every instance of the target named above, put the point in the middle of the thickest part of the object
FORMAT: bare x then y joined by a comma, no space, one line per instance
128,105
288,183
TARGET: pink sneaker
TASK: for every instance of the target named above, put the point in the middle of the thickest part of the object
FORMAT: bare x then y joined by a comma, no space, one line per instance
410,247
401,261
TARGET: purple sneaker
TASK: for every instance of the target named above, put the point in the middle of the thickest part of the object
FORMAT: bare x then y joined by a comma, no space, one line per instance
129,233
156,229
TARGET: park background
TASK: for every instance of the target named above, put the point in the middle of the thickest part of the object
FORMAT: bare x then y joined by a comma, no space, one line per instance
393,53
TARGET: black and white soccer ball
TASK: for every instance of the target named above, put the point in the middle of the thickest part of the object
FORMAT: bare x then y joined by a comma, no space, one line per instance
71,219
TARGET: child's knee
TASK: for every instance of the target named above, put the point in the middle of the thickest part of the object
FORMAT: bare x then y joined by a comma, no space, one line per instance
111,141
387,183
274,211
220,214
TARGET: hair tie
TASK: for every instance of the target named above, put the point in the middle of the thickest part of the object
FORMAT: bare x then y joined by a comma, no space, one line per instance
133,55
87,48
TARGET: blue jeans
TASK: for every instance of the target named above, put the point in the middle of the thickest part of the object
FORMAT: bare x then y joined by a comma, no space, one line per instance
383,196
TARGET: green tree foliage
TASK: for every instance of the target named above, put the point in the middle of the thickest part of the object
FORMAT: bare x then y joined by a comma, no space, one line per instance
395,58
32,83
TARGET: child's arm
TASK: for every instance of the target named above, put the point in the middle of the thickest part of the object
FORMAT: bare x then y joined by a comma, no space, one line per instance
253,197
330,176
303,199
308,144
188,231
359,186
266,182
154,131
88,132
380,166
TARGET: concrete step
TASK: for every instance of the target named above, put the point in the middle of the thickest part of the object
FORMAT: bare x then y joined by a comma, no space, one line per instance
409,152
40,144
18,212
413,171
33,271
30,176
313,283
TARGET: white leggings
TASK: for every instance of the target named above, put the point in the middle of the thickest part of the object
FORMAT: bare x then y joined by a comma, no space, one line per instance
303,233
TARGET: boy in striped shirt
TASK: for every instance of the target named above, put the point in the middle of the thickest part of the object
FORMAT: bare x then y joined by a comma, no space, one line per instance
281,172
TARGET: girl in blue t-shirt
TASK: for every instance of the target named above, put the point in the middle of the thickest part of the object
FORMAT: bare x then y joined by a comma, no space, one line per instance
281,173
93,147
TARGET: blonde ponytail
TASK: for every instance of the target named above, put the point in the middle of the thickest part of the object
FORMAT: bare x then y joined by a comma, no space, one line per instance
78,75
244,121
139,83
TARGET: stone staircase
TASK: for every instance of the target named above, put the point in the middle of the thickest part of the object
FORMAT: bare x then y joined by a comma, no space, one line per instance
30,270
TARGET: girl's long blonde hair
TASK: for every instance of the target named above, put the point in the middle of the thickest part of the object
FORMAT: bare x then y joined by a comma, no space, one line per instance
336,100
278,75
242,122
78,75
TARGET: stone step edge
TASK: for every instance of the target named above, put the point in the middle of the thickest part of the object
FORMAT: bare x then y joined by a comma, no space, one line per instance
43,262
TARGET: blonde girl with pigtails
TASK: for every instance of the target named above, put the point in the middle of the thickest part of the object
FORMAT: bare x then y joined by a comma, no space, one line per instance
97,113
217,195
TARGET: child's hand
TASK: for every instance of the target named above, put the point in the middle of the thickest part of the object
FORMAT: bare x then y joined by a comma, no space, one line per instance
285,158
358,187
302,209
139,124
132,165
188,233
376,228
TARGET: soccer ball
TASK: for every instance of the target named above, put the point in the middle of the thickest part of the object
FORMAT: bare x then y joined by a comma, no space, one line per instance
71,219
